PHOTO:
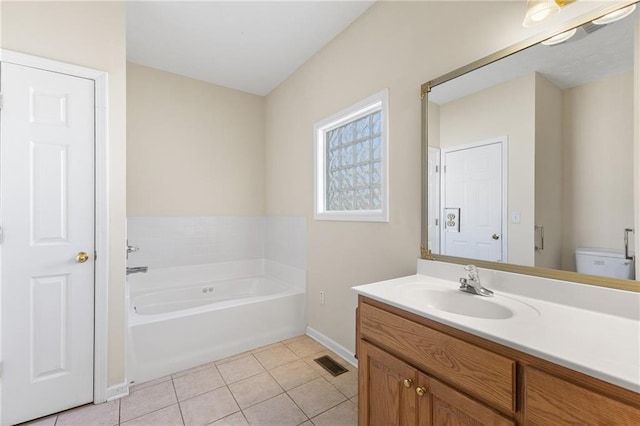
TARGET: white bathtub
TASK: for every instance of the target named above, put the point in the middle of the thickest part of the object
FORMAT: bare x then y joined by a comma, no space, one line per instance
177,326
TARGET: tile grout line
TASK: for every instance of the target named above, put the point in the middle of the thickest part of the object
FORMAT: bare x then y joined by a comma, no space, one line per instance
178,400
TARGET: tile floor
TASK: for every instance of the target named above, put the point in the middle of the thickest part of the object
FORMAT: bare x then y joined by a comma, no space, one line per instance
279,384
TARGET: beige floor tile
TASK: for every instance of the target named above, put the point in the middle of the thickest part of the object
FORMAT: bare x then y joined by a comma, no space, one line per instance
232,358
192,370
264,348
345,414
355,400
316,396
139,386
197,383
236,419
147,400
347,383
276,356
208,407
169,416
304,346
43,421
255,389
294,374
307,423
239,369
95,415
277,411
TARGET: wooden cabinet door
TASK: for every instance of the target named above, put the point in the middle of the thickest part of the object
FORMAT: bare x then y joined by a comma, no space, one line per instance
387,389
551,400
444,406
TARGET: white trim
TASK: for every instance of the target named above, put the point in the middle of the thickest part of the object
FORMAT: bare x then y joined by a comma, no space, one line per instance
336,347
100,392
117,391
504,143
379,100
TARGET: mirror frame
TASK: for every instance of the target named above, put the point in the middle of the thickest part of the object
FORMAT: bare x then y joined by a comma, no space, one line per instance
506,267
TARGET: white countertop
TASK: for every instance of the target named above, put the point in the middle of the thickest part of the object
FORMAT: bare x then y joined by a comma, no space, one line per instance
599,344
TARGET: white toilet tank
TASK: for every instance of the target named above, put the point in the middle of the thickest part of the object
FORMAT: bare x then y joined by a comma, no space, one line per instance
605,262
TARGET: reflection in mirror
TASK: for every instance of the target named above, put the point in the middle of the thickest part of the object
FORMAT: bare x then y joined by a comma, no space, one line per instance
530,157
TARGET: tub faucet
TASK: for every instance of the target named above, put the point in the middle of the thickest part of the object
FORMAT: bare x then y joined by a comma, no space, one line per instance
472,284
131,249
137,269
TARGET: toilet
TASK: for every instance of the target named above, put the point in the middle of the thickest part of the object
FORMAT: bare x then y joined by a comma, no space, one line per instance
605,262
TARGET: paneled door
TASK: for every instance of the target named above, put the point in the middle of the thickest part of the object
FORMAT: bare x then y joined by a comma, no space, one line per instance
47,249
472,202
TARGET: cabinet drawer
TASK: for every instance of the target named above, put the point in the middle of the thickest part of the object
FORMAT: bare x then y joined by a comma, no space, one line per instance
481,373
550,400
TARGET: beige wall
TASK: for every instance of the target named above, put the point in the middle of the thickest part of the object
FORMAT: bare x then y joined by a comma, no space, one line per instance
90,34
398,45
193,148
433,124
507,109
597,135
548,171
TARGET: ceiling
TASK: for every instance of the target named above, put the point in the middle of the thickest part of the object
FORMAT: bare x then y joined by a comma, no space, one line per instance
592,54
247,45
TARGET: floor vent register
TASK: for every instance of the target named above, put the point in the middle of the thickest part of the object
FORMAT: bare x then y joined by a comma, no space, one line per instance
330,365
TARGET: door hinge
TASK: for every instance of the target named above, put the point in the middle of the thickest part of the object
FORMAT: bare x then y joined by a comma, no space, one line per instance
437,169
444,169
437,222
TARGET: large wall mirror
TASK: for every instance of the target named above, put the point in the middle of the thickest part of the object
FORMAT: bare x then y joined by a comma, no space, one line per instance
528,162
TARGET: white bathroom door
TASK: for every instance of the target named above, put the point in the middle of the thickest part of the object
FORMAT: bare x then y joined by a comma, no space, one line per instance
473,194
47,218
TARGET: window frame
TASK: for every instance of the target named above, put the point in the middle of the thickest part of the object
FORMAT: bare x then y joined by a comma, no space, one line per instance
376,102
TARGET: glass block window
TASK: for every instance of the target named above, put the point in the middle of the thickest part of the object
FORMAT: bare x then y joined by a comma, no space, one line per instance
351,162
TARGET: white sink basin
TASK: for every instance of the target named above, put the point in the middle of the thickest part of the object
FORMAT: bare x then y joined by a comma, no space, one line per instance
466,304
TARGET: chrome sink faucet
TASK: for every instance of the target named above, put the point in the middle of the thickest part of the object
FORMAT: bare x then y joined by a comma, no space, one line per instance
472,284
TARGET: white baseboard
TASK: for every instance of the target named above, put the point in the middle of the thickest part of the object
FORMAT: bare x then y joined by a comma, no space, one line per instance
344,353
118,391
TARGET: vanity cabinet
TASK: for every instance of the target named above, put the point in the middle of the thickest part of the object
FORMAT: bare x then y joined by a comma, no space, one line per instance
398,394
414,371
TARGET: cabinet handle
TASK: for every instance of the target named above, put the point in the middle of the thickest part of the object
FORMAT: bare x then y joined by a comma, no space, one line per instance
408,383
421,390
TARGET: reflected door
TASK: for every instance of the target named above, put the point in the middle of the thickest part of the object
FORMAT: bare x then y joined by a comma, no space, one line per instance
472,204
47,210
433,202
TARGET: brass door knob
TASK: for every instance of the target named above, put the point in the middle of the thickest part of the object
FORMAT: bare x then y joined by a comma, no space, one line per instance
82,257
421,390
495,236
408,383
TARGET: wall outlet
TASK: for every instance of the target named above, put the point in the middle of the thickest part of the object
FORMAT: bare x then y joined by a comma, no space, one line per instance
322,297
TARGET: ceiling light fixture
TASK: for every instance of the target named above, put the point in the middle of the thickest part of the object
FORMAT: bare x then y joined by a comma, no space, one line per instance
615,16
541,10
560,38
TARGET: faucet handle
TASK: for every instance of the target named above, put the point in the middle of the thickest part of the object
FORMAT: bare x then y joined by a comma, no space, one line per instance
472,270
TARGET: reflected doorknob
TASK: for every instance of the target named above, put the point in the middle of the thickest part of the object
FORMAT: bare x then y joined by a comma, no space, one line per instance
495,236
82,257
408,383
421,390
